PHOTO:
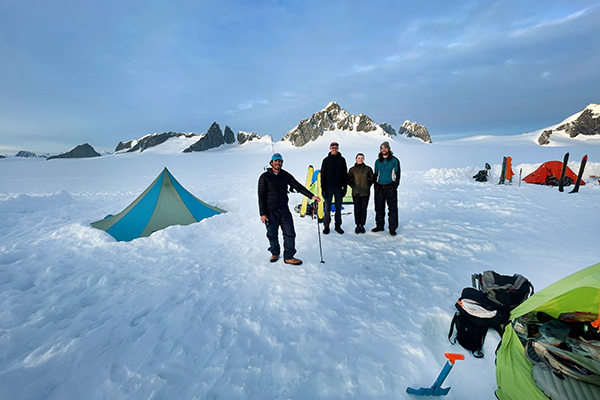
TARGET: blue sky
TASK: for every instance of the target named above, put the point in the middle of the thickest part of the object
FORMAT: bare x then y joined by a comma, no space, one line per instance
106,71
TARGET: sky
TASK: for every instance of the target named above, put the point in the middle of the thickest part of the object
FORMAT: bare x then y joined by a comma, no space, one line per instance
100,72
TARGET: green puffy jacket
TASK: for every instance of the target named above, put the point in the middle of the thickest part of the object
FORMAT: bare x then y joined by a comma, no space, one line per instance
360,179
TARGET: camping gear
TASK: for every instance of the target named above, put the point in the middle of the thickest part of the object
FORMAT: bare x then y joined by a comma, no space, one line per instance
436,389
504,290
549,173
580,174
561,181
578,292
482,175
476,314
164,203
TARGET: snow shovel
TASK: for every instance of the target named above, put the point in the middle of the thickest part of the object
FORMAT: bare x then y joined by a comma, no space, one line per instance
436,389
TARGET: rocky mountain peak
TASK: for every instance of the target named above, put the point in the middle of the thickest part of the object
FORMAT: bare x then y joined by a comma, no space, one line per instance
412,129
585,123
331,118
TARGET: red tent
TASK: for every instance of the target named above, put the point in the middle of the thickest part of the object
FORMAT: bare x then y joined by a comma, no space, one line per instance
549,173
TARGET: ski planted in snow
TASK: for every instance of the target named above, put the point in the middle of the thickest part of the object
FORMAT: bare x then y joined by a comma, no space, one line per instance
320,212
580,174
503,172
561,182
304,206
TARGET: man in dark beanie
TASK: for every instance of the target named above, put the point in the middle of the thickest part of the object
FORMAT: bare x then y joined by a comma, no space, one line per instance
334,183
387,179
273,188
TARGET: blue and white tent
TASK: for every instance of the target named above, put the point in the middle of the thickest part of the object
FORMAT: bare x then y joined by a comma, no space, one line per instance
164,203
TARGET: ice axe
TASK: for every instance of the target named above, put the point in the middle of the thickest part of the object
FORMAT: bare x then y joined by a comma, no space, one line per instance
436,389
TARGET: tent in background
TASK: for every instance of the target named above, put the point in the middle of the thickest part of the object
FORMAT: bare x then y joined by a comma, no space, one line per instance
164,203
577,292
547,170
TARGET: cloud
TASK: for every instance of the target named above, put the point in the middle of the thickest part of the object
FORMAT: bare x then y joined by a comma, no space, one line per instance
549,23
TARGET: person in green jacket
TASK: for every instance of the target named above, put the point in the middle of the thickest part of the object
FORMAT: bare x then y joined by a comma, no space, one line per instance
360,179
387,180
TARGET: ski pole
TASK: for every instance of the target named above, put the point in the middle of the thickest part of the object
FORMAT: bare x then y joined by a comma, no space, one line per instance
319,231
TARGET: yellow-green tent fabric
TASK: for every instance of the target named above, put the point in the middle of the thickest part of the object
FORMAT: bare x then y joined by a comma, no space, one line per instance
164,203
577,292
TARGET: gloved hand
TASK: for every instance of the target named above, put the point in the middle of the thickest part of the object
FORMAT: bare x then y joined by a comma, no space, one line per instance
344,191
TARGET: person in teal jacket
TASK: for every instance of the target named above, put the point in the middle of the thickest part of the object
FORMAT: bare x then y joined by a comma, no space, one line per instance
387,180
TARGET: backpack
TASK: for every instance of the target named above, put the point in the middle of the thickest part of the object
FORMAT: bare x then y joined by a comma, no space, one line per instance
503,290
481,176
476,313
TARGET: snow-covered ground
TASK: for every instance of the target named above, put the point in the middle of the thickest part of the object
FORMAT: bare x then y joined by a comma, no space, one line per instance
198,312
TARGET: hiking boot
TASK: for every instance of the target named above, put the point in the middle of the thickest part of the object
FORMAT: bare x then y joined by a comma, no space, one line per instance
326,230
377,229
362,229
293,261
357,230
339,230
393,232
274,258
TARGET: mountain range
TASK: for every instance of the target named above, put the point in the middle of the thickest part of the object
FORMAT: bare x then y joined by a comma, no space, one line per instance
332,118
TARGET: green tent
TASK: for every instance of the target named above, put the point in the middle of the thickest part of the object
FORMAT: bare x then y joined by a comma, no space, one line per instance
577,292
164,203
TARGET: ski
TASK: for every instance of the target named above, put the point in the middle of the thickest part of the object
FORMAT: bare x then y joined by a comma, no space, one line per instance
304,206
561,182
503,172
508,174
580,174
320,211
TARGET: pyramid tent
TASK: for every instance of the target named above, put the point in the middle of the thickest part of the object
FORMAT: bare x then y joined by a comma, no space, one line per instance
577,292
549,169
164,203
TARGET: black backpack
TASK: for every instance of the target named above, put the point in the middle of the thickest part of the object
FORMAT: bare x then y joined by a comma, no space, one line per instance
476,314
503,290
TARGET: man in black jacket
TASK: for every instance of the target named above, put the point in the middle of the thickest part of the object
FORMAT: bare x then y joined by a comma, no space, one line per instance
334,183
274,211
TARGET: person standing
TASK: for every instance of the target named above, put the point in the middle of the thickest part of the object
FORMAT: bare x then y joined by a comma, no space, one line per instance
387,180
360,179
273,199
334,183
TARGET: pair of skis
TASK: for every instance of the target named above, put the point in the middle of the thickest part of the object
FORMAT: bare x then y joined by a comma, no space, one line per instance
506,174
317,192
561,182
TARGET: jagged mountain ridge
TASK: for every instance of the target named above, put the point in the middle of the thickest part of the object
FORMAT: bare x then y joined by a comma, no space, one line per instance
333,117
585,123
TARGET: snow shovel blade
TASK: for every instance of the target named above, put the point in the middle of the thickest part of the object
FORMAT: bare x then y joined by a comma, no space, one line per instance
428,391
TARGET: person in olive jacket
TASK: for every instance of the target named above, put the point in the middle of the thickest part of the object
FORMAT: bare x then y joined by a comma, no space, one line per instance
360,179
274,211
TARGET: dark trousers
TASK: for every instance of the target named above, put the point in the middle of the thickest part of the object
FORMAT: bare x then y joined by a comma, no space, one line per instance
360,209
386,194
337,193
283,219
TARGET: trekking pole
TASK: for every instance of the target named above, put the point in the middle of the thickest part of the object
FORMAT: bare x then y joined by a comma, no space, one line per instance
319,231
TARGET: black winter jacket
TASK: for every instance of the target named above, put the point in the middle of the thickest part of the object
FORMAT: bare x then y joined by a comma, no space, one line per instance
334,172
273,190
